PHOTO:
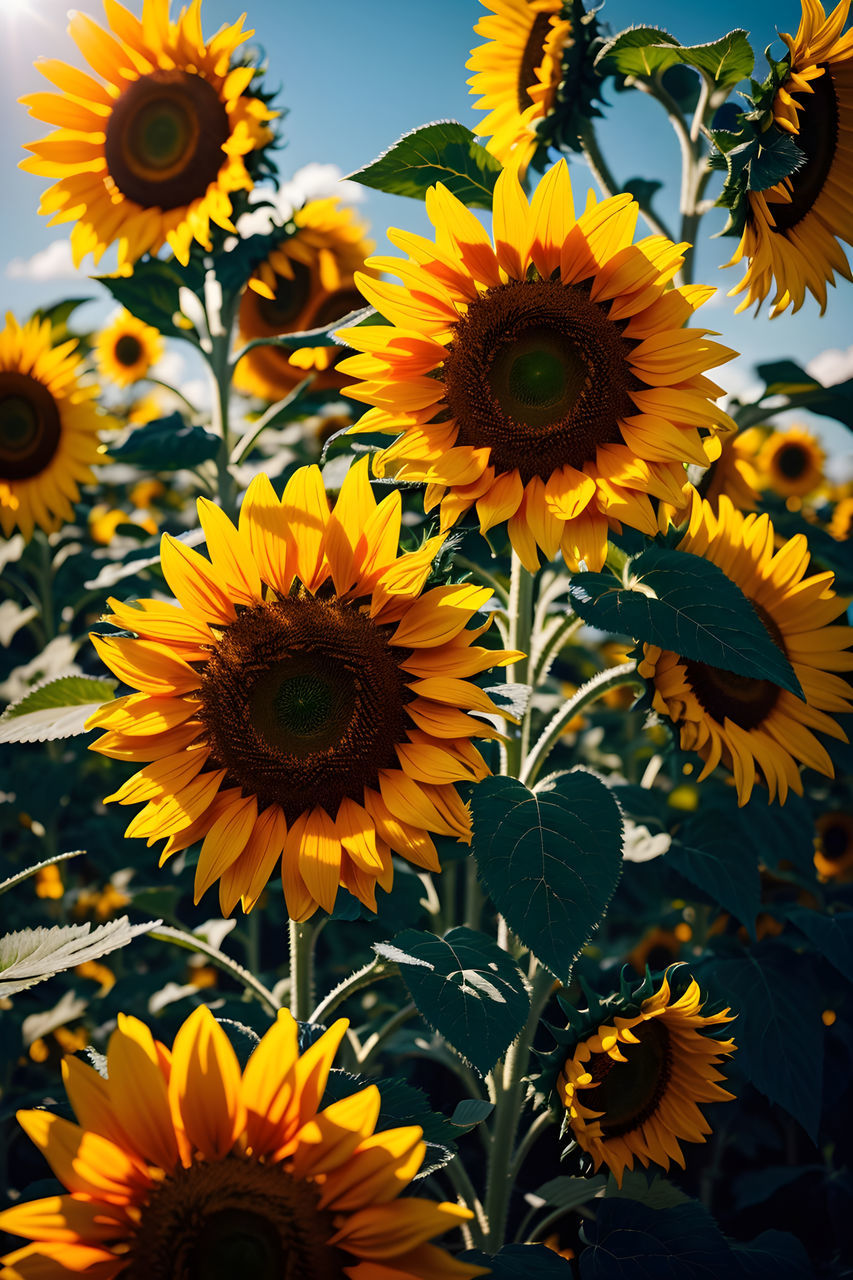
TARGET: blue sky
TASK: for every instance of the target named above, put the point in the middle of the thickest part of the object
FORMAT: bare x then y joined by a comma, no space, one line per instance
355,76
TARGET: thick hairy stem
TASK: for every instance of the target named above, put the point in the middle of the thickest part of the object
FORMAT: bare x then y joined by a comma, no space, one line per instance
301,970
520,612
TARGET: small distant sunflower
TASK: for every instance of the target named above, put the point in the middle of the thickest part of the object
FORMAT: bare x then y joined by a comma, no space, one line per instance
149,152
637,1070
126,349
304,702
792,233
753,726
48,428
548,380
305,283
834,853
791,462
841,524
182,1167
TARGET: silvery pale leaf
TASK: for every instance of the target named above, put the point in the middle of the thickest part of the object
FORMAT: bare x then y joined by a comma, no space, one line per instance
33,955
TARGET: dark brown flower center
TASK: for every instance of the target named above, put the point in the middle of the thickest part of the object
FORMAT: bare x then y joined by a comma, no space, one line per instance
128,350
534,52
291,297
792,461
164,139
232,1217
303,701
818,138
744,699
836,840
539,374
30,427
629,1092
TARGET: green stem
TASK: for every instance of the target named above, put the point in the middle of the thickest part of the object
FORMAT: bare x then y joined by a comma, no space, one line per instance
531,1133
612,678
462,1184
301,969
474,897
167,386
221,373
190,943
490,580
371,1045
364,977
45,587
246,443
520,610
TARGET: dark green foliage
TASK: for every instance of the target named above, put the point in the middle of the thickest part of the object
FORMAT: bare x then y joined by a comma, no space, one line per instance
444,151
725,868
167,444
521,1262
151,293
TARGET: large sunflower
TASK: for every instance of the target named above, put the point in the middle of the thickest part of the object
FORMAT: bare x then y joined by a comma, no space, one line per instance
48,428
149,152
753,726
517,71
304,698
792,232
548,380
633,1084
307,282
791,462
127,348
182,1167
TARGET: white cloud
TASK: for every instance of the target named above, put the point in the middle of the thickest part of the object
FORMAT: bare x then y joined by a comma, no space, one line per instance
52,263
832,366
311,182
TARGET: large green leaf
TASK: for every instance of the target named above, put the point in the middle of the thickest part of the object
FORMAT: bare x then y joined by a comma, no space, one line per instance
725,868
444,151
466,987
167,444
56,709
686,604
151,293
725,61
550,858
832,935
786,378
639,51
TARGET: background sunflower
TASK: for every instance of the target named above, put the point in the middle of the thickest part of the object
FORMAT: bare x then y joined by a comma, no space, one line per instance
127,348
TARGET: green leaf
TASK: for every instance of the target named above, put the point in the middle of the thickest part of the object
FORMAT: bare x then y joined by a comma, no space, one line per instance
444,151
784,377
707,855
167,444
466,987
686,604
151,293
31,871
471,1112
57,709
569,1193
401,1105
59,315
725,61
639,51
550,858
832,935
521,1262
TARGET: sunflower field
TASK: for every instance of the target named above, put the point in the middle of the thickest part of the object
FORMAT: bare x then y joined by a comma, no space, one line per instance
426,803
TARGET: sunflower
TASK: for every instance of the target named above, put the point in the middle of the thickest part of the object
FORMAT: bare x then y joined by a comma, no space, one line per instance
518,71
792,232
127,349
548,380
304,701
834,846
791,462
306,282
182,1167
632,1086
48,428
151,148
754,726
733,470
841,523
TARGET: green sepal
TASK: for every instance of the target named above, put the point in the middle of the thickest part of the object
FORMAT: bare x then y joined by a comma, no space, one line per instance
578,94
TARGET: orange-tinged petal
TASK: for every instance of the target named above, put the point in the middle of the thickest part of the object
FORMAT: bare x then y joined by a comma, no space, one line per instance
317,850
205,1087
265,527
268,1086
139,1092
85,1162
382,1231
306,507
230,554
150,667
439,615
224,843
194,582
65,1219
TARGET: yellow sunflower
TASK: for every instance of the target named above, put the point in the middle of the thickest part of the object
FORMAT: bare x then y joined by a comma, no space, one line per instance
842,520
834,852
182,1166
548,379
633,1086
48,428
304,702
150,149
517,71
792,233
734,469
791,462
307,282
126,349
752,726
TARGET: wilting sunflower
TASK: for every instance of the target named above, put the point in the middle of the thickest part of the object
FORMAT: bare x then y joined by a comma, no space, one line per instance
127,349
307,282
791,462
638,1070
753,726
303,702
792,232
149,152
834,852
182,1167
48,428
548,380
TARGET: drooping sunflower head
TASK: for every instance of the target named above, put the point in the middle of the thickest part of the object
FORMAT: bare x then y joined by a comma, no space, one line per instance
791,462
126,349
48,428
752,726
629,1074
306,282
535,74
547,379
792,231
833,857
149,149
305,702
182,1167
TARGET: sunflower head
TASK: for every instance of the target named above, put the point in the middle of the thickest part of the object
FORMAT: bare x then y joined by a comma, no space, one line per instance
152,143
126,349
307,281
536,77
833,857
546,380
791,462
733,470
791,230
183,1167
628,1074
48,428
841,523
